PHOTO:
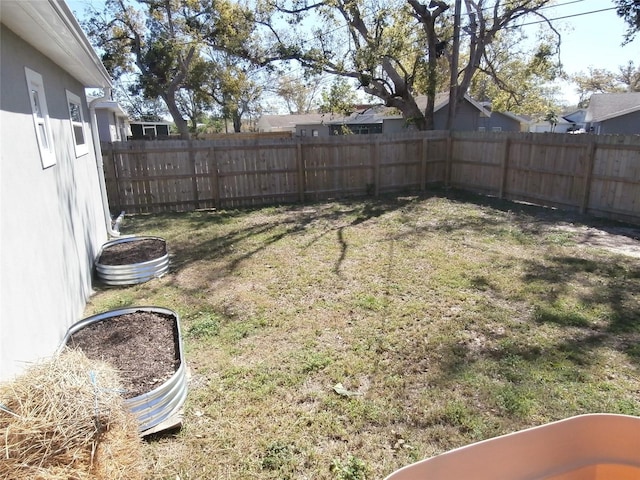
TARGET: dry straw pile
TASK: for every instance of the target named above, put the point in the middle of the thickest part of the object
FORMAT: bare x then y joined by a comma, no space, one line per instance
65,419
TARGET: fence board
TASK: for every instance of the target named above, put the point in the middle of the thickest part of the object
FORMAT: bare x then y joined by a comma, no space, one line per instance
592,173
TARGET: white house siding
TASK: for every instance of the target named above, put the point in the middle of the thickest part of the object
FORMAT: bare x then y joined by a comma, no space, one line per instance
52,221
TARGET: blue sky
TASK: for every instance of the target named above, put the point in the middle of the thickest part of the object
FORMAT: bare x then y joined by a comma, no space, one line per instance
591,40
588,39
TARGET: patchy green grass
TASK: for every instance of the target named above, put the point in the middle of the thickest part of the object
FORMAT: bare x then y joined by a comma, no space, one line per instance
446,319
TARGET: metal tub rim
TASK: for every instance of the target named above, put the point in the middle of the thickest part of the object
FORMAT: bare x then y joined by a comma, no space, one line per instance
162,402
132,273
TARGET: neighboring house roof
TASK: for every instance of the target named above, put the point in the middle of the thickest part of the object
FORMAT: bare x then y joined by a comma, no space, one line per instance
290,121
516,117
144,122
604,106
50,27
576,116
442,100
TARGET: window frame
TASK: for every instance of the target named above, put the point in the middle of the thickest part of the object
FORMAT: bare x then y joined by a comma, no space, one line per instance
80,148
40,116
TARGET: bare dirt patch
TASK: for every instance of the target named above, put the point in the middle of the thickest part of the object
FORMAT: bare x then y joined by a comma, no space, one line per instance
620,240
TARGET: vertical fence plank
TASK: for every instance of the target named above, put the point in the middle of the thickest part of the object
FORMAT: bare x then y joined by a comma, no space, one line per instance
588,171
449,161
376,167
215,180
424,153
300,172
504,167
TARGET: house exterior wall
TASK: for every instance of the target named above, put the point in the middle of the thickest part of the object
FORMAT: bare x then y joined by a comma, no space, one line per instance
53,222
623,125
307,130
108,130
467,118
498,120
394,125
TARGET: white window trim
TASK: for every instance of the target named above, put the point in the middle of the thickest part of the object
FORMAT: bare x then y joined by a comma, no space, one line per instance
41,123
83,148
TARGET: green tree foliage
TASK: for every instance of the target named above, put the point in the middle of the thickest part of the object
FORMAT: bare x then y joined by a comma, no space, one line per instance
339,98
629,10
228,82
159,42
396,49
299,95
517,81
600,80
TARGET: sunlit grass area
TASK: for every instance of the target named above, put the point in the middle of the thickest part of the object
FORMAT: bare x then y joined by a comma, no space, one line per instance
343,340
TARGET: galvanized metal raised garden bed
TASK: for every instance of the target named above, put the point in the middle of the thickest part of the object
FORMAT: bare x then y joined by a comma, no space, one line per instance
131,273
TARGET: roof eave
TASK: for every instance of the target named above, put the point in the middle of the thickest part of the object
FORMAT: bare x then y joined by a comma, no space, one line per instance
50,27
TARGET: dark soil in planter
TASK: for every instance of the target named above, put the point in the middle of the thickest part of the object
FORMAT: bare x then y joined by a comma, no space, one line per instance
136,251
142,346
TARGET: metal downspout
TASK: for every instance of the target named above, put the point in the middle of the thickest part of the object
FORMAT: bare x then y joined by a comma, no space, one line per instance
111,231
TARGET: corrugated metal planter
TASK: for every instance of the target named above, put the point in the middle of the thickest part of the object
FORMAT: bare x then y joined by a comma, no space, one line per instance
160,408
131,273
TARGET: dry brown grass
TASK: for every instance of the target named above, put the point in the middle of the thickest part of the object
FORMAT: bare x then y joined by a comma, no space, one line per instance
455,318
65,419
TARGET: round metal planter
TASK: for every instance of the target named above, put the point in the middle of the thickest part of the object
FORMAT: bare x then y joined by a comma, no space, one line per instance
131,274
159,408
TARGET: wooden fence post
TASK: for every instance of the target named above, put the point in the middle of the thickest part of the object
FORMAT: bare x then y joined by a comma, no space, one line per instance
504,167
215,178
448,161
300,167
586,185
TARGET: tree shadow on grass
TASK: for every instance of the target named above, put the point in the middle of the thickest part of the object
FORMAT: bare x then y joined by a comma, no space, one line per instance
606,314
236,246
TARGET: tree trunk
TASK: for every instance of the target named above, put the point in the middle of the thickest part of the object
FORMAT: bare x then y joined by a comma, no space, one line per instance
169,98
237,122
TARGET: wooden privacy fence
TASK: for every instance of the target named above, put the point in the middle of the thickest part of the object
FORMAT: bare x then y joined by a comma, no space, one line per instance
591,173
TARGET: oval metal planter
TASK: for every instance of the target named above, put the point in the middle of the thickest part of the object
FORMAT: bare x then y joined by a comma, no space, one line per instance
157,409
134,273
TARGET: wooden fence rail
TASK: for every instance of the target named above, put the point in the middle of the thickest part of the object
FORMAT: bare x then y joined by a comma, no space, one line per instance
590,173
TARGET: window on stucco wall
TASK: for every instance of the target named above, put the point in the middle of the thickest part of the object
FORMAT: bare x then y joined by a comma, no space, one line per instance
76,118
41,122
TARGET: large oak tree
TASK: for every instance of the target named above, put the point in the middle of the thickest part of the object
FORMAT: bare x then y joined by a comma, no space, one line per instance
395,50
159,41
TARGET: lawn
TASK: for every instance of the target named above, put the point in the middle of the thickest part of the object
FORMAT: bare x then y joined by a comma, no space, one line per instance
343,340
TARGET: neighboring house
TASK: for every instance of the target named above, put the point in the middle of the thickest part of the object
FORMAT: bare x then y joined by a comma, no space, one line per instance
504,122
141,130
113,121
543,126
613,113
576,119
53,213
470,115
288,123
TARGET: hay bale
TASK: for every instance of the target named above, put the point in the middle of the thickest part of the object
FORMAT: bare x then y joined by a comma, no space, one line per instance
65,419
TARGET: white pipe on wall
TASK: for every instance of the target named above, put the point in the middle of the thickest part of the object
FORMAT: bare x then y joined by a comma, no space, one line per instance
111,231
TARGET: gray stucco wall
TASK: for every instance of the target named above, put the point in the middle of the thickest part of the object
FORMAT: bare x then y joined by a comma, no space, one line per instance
52,220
